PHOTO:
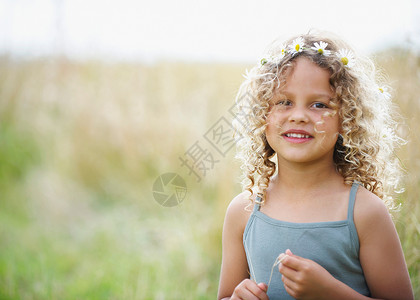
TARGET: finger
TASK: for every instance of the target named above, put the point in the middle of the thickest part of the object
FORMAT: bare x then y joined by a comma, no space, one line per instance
242,291
289,286
281,257
261,291
288,252
288,282
253,291
288,272
263,286
292,261
244,294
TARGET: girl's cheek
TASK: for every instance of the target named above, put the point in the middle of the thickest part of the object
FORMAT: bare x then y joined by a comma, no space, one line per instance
276,114
271,117
327,125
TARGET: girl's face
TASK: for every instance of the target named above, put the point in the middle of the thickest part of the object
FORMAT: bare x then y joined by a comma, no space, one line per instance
302,126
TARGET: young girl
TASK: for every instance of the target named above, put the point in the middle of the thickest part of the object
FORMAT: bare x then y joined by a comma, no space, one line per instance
318,140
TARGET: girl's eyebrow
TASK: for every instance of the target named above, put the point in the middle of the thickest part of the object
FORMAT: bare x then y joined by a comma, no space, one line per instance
314,95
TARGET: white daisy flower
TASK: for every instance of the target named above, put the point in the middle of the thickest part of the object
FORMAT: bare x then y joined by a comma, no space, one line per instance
320,48
283,51
277,59
296,46
346,57
383,90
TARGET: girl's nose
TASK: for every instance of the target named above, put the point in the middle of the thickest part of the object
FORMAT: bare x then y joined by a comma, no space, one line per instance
298,115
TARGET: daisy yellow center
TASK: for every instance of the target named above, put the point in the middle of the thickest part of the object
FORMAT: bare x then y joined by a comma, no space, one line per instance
282,51
381,90
297,47
320,50
345,60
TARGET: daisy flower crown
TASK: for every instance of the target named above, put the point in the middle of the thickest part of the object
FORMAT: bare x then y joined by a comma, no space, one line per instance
298,45
345,56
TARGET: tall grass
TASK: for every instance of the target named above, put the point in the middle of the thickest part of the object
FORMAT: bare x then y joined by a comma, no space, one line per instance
403,68
81,144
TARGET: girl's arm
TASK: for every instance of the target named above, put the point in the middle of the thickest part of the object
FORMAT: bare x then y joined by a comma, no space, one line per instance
380,254
234,279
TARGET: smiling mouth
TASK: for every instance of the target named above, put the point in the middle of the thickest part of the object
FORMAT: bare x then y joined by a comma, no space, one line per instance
297,135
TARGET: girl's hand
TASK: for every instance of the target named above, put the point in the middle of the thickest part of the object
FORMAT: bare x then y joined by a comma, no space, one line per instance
248,289
303,278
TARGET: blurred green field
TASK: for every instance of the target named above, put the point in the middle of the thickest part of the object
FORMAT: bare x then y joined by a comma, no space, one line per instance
81,144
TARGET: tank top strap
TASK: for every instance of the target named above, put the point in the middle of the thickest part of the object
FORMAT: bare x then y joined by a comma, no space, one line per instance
352,199
257,203
350,216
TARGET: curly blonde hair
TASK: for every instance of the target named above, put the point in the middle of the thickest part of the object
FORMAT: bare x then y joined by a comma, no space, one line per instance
365,149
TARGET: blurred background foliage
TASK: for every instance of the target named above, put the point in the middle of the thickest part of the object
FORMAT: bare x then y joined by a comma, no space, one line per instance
81,143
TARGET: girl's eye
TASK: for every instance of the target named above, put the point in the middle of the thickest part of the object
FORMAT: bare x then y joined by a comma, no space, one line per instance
319,105
283,103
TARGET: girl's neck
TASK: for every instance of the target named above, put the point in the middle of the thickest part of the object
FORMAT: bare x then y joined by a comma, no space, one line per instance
306,177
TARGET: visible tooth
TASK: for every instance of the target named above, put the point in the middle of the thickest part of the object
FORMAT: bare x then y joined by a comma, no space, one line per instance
298,135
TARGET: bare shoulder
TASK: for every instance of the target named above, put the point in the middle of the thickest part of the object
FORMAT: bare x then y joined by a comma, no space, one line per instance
368,203
381,255
234,267
238,211
369,211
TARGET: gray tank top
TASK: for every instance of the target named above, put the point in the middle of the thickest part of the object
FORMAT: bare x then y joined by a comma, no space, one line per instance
334,245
